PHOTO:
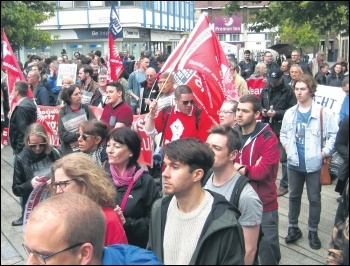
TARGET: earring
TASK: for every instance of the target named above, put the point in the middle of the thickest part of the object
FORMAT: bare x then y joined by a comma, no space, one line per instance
131,155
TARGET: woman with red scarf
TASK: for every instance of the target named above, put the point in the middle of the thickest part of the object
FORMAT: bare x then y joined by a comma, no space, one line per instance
136,189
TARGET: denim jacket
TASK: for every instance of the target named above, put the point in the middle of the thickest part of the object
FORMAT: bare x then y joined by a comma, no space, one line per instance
134,86
313,156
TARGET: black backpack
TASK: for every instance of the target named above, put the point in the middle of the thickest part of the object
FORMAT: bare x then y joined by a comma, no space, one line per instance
51,96
234,199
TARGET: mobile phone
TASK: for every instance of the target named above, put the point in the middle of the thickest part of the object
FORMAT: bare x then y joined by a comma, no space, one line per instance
42,179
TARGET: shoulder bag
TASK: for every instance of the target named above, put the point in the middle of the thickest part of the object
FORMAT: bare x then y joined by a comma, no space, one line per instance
325,174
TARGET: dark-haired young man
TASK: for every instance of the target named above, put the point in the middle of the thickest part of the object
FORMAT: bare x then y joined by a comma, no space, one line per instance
193,226
260,157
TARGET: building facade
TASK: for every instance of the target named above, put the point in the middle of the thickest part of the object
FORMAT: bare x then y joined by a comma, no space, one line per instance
82,26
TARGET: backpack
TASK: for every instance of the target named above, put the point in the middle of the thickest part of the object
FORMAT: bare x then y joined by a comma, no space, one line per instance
234,199
196,114
52,101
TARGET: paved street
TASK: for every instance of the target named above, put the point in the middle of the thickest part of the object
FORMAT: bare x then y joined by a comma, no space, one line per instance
12,252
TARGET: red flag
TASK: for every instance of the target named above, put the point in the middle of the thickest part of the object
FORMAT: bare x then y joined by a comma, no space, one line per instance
14,72
203,53
114,63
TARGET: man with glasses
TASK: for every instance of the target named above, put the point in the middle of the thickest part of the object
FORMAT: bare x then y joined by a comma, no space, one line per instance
179,121
77,237
227,113
100,95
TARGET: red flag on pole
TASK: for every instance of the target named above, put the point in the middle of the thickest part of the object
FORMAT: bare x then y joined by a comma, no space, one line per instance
10,64
114,63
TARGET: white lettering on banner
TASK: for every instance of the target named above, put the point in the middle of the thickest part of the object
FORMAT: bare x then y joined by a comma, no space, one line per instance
255,91
10,66
147,144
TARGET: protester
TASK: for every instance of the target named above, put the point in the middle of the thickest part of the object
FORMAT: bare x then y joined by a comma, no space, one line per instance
344,109
225,179
336,76
181,120
258,160
69,118
77,237
92,139
5,105
301,138
227,113
76,173
22,116
342,147
100,95
136,189
338,250
276,97
193,226
260,71
149,90
116,113
32,165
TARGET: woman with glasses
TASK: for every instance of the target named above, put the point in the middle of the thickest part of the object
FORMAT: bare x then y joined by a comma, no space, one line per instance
136,189
32,165
77,173
70,117
92,139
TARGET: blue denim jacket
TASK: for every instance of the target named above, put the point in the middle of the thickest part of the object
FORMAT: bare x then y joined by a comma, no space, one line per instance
313,156
134,86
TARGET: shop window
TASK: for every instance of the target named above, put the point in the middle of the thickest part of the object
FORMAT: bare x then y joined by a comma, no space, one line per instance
95,3
78,4
66,4
165,5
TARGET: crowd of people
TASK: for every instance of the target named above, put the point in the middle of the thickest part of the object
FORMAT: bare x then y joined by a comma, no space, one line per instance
217,203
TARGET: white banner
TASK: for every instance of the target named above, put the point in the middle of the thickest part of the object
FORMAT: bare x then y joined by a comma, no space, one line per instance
330,98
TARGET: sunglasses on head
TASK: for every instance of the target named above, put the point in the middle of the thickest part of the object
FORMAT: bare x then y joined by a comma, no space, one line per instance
187,102
41,145
85,136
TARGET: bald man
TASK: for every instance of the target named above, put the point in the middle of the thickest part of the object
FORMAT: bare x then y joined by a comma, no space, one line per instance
41,95
76,238
149,90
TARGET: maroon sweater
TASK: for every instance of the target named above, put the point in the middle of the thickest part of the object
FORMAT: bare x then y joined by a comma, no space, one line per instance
262,143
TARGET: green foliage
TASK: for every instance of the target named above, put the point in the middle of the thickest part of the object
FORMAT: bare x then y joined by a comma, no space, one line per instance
322,15
301,37
20,17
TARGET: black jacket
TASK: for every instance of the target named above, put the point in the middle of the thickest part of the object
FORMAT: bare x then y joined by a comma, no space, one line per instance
282,98
23,115
320,78
138,207
147,93
26,166
221,241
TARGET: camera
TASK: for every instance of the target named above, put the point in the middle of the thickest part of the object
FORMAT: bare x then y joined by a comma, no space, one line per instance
158,157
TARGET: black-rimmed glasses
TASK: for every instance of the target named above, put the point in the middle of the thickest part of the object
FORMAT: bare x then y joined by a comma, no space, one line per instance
85,136
42,258
187,102
34,145
61,184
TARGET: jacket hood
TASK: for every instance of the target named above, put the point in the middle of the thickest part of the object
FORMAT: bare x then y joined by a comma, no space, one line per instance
128,255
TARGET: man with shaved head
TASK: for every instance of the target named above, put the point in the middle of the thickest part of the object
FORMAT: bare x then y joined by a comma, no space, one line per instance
149,90
69,229
41,95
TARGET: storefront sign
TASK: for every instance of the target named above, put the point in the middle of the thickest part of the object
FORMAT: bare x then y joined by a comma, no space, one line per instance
228,25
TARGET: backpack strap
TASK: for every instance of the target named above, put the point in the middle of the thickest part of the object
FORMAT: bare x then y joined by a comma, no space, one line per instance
86,108
237,190
197,115
206,177
168,108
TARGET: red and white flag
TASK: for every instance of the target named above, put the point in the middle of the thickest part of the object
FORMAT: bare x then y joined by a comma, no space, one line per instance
14,72
202,65
115,65
174,57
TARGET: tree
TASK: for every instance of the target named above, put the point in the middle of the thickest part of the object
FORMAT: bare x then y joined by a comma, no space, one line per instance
19,19
324,16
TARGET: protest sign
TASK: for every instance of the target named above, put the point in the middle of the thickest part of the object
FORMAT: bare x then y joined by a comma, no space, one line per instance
66,71
330,97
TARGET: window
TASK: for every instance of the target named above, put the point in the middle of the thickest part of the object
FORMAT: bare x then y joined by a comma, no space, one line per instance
221,37
79,3
165,6
269,37
66,4
95,3
171,7
234,37
157,5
